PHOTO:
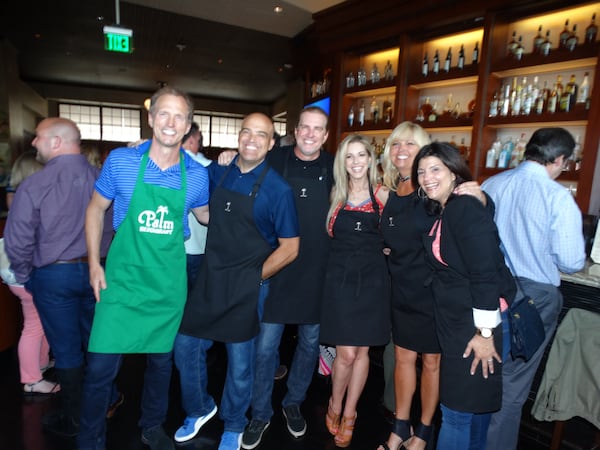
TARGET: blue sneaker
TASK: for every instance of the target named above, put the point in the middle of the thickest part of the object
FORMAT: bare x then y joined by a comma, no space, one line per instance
192,425
230,440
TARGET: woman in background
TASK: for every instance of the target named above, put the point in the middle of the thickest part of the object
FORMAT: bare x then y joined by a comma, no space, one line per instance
33,346
356,292
469,279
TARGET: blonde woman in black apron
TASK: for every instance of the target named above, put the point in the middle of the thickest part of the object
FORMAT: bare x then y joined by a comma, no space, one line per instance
356,299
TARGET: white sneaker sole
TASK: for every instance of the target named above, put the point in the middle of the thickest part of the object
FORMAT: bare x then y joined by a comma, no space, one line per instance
197,426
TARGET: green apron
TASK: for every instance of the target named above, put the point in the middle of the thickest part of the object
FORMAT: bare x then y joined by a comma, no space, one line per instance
141,308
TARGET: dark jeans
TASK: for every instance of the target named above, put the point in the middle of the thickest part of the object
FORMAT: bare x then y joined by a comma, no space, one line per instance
100,373
65,302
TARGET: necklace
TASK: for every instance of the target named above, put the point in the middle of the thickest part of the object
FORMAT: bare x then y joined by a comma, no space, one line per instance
403,179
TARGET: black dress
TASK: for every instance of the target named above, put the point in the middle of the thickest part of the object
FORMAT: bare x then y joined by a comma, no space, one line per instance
356,307
403,222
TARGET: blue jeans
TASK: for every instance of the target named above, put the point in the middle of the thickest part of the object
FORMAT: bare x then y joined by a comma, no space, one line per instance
462,430
101,370
193,263
301,371
65,302
190,359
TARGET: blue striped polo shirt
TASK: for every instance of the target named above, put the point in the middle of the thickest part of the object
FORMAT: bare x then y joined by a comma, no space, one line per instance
119,174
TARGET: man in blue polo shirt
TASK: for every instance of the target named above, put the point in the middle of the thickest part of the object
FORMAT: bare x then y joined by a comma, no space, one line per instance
253,234
142,291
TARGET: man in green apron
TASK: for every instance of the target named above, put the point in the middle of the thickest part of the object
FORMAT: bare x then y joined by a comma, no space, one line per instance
142,291
252,236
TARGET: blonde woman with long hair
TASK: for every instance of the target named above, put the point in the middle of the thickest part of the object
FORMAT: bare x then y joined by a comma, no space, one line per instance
356,293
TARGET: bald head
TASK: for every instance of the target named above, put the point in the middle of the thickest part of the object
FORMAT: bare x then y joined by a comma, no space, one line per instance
56,136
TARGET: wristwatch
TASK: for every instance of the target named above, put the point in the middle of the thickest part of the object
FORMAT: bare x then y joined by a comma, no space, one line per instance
485,332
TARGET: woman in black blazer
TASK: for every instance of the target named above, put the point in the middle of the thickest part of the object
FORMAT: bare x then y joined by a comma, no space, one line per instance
469,279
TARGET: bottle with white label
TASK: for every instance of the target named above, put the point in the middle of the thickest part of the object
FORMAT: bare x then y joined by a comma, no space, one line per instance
492,154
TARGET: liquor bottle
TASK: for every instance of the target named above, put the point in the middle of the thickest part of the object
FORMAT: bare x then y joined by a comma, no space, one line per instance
436,63
546,45
505,153
448,106
426,108
527,100
475,58
584,89
538,40
519,49
542,101
535,90
512,44
493,112
375,76
448,61
461,58
573,89
572,40
361,114
591,31
387,111
425,66
559,85
563,36
491,157
350,80
351,117
374,110
433,115
553,100
505,107
463,149
388,71
516,98
518,152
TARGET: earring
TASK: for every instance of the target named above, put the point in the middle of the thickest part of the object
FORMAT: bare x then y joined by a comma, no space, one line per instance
421,193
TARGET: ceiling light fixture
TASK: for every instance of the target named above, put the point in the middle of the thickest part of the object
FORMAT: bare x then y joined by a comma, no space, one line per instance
278,10
147,104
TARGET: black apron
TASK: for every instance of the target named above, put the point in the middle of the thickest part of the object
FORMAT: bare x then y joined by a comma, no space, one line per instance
356,300
223,304
295,292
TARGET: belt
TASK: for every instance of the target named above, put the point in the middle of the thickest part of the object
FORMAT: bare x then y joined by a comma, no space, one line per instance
82,260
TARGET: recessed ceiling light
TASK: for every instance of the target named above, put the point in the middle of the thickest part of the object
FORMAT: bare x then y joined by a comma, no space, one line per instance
219,61
278,10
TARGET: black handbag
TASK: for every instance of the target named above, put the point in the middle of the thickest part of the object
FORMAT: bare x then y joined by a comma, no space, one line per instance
527,332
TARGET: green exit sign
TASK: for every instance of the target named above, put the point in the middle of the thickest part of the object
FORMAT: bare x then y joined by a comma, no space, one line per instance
117,39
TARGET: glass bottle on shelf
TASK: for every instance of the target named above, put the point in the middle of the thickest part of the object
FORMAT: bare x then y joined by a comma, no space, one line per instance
512,44
504,107
491,157
388,71
426,108
433,115
559,85
551,106
528,99
375,76
505,153
591,31
387,111
518,152
538,40
350,80
461,58
519,49
448,106
563,36
351,117
425,65
475,58
448,61
362,77
456,111
361,113
436,63
584,89
493,111
374,110
572,40
569,96
546,45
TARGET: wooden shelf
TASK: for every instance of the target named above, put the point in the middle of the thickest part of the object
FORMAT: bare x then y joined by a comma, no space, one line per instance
454,77
576,117
384,87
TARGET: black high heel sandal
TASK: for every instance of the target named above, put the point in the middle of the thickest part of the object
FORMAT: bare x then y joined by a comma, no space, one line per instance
401,428
424,432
